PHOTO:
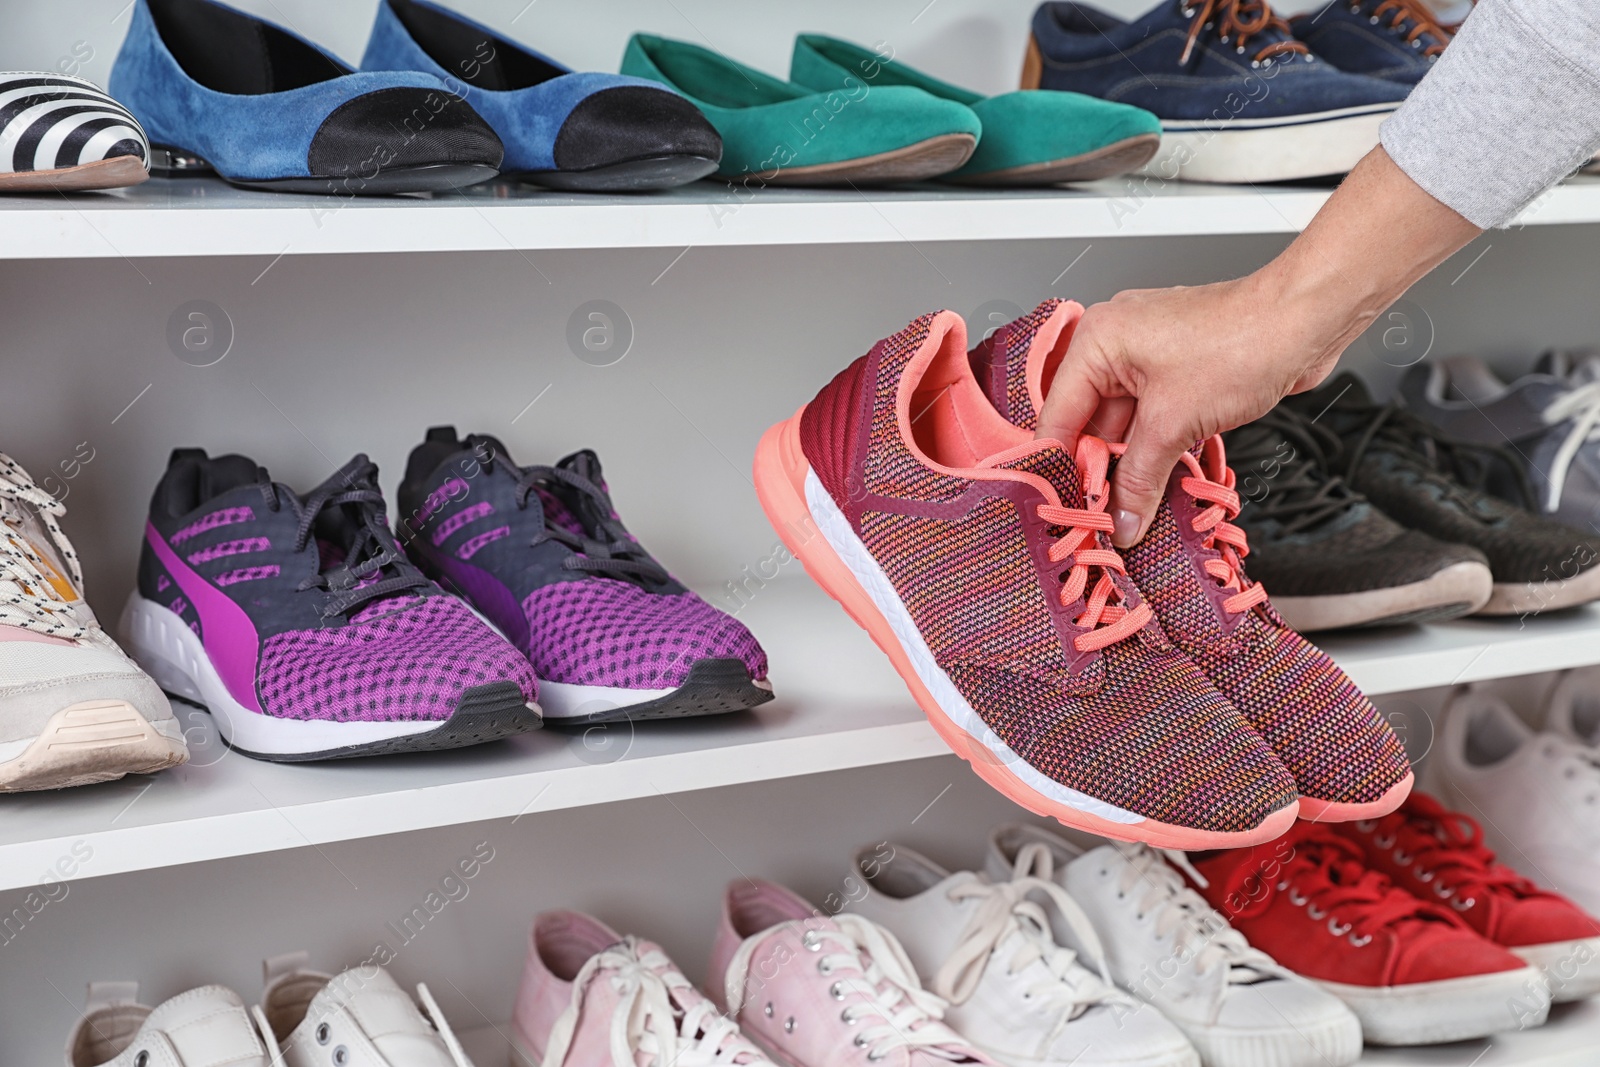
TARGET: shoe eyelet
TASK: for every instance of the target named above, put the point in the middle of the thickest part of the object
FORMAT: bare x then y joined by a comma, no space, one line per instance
1425,877
847,1017
1338,929
1283,885
1366,826
824,967
341,1056
1417,43
1255,64
811,941
1402,857
1463,905
1223,39
859,1041
767,1011
1239,51
1373,20
323,1033
1316,913
788,1025
1384,841
1361,942
1296,899
836,990
1444,892
142,1059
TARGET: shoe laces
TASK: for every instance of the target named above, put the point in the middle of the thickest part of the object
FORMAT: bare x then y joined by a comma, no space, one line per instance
1288,459
659,1012
1445,850
1328,877
1007,915
1085,546
1236,21
1460,470
1582,406
606,547
29,595
1409,19
1216,488
371,566
871,972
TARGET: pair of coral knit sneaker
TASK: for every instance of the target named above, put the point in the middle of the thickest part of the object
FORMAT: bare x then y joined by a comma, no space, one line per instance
1150,695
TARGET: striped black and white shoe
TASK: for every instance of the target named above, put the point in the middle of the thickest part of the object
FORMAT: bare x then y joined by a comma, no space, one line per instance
63,133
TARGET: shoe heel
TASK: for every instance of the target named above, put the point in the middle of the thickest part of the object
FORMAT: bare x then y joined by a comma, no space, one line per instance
169,162
1032,64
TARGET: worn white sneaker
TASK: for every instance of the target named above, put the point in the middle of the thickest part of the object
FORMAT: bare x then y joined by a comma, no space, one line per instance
987,948
1537,795
205,1027
360,1018
74,709
1171,949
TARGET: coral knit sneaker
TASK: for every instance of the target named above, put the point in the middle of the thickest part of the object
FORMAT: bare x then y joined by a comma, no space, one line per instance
542,553
1346,761
74,709
1411,971
1438,854
979,561
301,626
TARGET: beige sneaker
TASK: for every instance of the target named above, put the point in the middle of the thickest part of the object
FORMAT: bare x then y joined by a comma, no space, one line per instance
205,1027
74,709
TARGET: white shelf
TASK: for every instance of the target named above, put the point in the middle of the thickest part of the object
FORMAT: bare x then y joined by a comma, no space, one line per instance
839,706
205,217
1570,1039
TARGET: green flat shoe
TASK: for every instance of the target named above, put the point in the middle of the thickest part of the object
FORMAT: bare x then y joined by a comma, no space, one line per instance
785,134
1030,137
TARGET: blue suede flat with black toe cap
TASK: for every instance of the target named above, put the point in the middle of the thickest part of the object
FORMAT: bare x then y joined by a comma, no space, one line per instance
219,90
563,129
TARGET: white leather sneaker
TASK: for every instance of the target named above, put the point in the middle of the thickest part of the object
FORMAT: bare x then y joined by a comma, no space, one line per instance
205,1027
74,709
360,1018
1014,992
1168,947
1537,795
1572,710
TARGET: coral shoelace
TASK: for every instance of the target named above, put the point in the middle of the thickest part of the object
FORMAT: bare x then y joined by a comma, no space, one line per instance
1222,535
1421,21
1238,21
1445,848
1106,623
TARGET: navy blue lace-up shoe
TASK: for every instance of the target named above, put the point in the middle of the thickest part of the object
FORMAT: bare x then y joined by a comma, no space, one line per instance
1396,40
219,90
1240,100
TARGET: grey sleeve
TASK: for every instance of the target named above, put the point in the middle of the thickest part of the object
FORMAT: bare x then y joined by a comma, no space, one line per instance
1511,107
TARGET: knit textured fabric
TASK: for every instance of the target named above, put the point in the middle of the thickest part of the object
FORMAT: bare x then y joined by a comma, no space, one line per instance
401,660
599,631
1135,724
1321,726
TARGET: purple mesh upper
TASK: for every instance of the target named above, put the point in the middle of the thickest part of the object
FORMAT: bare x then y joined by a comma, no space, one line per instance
612,633
398,660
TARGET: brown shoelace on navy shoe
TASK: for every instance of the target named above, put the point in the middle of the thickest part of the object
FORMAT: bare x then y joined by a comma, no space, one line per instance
1238,21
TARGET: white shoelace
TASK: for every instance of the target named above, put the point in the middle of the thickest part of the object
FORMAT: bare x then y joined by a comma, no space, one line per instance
659,1012
1582,406
1199,932
26,596
862,957
1006,911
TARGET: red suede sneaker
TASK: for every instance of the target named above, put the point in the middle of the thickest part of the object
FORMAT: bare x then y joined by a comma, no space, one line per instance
979,559
1412,972
1439,854
1347,762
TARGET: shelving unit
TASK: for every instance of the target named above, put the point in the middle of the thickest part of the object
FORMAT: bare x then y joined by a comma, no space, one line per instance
355,324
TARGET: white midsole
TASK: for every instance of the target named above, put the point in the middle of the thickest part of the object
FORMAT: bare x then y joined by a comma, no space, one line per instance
1266,150
1571,968
569,700
1452,1009
171,654
836,531
168,728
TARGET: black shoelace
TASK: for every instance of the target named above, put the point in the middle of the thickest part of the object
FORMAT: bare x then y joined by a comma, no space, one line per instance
606,548
1462,471
1284,462
369,548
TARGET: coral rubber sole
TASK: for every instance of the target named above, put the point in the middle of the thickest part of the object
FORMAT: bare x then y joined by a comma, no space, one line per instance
94,741
1315,810
782,477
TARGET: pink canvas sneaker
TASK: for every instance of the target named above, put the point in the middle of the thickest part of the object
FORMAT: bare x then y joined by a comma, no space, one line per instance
593,998
1347,762
816,991
979,559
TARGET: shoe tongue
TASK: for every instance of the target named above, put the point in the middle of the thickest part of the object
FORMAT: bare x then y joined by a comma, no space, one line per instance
1045,459
179,1019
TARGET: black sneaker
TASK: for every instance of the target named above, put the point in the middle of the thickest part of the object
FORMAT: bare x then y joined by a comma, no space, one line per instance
1452,491
1328,557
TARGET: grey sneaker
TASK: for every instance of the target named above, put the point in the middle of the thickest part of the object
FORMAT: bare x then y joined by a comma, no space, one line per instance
1549,419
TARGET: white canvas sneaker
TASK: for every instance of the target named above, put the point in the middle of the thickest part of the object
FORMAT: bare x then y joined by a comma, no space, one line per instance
1537,795
205,1027
1171,949
1013,991
360,1018
74,709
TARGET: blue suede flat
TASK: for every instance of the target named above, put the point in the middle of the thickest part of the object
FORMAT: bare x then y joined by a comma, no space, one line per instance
219,90
581,131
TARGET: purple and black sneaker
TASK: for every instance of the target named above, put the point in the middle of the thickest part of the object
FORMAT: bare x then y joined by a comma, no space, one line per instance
542,554
302,627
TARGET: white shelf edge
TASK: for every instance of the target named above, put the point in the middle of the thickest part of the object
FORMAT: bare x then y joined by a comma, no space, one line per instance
203,217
